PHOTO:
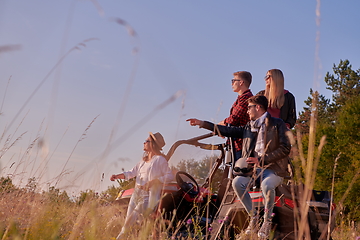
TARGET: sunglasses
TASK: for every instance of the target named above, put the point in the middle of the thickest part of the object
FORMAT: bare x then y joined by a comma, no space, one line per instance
234,80
147,141
250,106
267,77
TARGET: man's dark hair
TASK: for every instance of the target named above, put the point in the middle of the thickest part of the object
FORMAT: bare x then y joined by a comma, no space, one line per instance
259,100
244,75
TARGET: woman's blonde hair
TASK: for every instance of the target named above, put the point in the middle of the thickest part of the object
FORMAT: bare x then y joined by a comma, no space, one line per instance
274,92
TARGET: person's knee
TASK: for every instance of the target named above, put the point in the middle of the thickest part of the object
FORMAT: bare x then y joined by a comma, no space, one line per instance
268,185
240,183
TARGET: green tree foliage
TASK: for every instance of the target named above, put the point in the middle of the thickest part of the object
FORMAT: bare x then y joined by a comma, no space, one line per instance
55,195
348,142
344,83
87,195
112,192
126,184
31,185
339,121
6,185
322,104
200,170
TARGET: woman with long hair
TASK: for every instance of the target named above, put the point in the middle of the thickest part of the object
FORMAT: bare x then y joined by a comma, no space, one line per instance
151,173
281,101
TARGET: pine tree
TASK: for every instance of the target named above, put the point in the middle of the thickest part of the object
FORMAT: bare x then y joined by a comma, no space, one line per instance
339,121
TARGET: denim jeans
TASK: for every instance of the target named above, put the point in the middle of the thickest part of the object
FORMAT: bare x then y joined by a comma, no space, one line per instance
237,155
269,181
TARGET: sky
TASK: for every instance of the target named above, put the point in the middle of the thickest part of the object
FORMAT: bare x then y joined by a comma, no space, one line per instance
82,83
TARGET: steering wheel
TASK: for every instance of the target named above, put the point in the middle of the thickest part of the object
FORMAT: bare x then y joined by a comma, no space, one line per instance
187,183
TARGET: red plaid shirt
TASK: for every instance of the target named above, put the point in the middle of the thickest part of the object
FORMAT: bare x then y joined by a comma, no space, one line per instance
238,115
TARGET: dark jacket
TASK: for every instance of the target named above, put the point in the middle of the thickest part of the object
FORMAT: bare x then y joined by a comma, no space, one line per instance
276,140
288,110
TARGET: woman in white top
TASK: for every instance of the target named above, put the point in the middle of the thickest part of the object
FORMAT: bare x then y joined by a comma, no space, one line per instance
151,173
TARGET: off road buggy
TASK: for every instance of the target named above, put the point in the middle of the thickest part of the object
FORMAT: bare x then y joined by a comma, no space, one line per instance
198,211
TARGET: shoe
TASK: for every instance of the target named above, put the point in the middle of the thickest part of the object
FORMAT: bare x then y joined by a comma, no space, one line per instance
265,230
253,225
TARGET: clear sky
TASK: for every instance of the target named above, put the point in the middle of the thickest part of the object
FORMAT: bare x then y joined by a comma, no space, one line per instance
86,117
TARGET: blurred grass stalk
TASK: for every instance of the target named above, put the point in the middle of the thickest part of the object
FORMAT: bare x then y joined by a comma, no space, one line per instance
309,167
27,214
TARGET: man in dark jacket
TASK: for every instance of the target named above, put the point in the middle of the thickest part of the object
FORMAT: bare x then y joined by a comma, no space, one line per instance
265,150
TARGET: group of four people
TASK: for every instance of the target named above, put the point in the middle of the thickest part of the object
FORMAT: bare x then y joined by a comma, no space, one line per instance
258,125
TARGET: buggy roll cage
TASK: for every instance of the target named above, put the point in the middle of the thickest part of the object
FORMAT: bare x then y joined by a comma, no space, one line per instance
195,142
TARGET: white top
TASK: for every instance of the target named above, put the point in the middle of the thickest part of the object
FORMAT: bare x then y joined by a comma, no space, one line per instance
156,168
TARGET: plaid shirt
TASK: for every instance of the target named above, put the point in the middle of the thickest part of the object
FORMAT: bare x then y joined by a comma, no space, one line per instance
238,115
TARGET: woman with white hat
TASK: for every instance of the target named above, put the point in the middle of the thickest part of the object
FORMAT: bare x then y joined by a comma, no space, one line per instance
151,173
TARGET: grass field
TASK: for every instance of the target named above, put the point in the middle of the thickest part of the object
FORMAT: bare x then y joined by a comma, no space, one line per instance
26,214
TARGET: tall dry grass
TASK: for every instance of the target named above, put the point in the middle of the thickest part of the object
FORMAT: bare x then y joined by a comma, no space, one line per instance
305,175
26,213
31,215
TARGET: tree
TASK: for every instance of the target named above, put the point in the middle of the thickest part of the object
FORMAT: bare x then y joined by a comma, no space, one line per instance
6,185
303,121
344,83
31,185
55,195
348,142
339,121
200,170
112,192
86,195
